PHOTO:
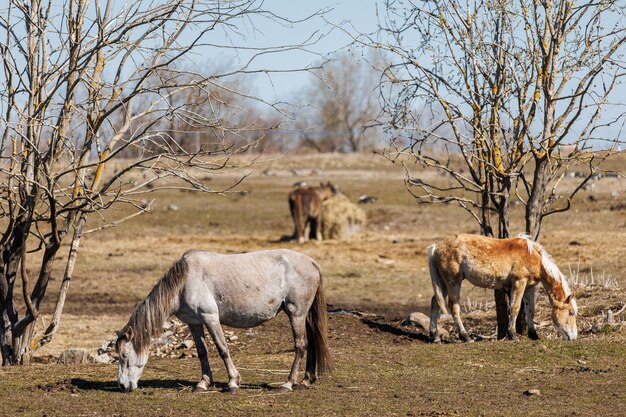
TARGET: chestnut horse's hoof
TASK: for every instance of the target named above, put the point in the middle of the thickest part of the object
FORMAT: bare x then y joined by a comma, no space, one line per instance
512,336
465,337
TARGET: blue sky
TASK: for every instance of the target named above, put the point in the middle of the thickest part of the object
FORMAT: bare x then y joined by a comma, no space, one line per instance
282,86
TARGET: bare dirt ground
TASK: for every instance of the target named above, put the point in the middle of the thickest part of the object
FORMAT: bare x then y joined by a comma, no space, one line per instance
382,367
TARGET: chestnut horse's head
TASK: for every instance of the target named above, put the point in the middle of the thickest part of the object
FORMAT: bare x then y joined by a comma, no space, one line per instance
328,190
564,309
564,317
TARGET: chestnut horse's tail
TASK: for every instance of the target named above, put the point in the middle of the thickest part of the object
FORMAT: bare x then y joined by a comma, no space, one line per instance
318,355
435,277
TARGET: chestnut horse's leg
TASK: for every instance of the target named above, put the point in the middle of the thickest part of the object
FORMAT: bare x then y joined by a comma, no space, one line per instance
517,292
212,323
316,229
298,328
197,331
454,297
434,314
295,206
529,309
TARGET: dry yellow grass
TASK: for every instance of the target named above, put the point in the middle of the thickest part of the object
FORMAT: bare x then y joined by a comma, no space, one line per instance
383,271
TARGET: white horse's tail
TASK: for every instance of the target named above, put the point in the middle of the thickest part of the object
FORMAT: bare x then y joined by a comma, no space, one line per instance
435,277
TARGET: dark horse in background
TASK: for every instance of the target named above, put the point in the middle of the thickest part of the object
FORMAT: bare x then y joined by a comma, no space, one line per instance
306,208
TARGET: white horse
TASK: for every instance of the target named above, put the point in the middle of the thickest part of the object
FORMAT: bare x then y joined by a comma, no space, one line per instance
518,263
243,290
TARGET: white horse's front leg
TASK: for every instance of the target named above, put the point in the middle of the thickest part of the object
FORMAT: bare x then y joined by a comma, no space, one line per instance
517,292
212,323
197,331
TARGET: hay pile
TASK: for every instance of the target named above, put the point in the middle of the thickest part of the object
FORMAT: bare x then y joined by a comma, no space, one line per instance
341,219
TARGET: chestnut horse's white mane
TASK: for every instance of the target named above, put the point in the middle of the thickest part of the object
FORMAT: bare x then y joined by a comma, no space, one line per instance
529,242
547,262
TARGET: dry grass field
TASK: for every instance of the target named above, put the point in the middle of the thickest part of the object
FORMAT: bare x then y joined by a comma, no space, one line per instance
381,367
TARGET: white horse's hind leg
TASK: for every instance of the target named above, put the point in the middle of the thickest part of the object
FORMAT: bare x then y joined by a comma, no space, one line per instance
529,309
298,328
517,292
454,297
197,331
212,323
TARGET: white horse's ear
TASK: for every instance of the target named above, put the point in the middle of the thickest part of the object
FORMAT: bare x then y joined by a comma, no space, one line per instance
126,332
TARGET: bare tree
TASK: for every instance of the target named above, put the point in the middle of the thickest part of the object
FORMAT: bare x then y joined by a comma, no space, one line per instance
511,95
342,103
83,83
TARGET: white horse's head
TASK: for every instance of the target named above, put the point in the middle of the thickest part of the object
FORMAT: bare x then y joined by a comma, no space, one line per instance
564,317
131,362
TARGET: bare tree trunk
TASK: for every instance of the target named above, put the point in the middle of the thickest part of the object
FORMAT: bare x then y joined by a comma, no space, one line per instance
6,337
11,256
47,334
503,296
536,201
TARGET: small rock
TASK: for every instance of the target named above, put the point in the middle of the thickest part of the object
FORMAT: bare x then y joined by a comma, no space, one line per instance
366,199
532,392
103,358
144,204
107,346
186,344
385,260
172,207
73,357
422,321
233,338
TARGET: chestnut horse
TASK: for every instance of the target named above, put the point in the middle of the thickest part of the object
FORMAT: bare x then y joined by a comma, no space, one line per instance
306,208
206,290
518,263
